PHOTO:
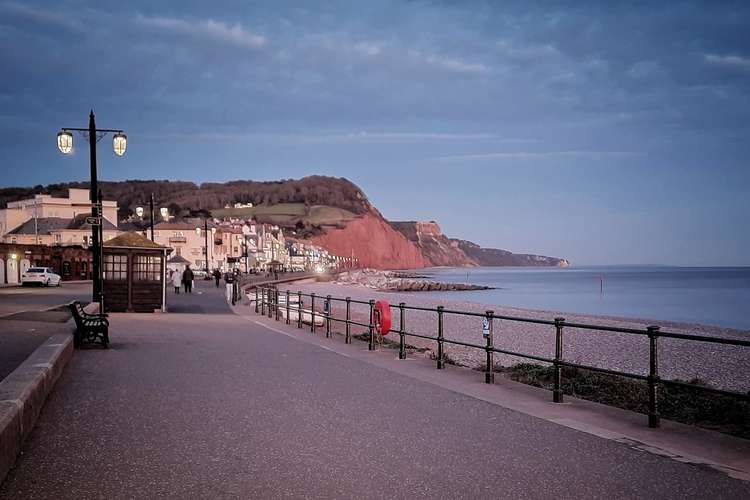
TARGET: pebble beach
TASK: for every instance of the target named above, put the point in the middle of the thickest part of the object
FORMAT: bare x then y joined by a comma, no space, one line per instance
723,366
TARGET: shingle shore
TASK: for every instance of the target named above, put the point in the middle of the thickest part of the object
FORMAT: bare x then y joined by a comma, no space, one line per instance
722,366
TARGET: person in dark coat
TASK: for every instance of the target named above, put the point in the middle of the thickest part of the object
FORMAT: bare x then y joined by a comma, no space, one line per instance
229,279
187,279
217,277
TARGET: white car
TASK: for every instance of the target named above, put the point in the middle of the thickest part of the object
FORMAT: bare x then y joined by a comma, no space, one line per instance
40,276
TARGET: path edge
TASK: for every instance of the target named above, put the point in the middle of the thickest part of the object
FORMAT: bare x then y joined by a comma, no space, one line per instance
23,394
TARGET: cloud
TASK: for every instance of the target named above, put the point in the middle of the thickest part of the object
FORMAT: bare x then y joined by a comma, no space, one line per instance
363,137
208,29
453,64
40,16
728,61
548,155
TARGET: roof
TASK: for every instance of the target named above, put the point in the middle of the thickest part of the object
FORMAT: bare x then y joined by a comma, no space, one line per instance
47,225
79,222
178,259
44,225
132,240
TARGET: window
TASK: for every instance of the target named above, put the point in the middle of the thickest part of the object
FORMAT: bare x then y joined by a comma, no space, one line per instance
115,267
147,268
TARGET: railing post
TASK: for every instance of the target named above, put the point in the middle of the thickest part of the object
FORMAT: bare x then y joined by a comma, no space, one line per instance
654,420
371,344
557,393
401,331
287,306
348,336
299,309
276,302
262,301
270,302
256,300
489,373
328,316
312,312
440,353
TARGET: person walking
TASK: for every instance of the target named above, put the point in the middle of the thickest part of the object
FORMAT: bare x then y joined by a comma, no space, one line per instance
187,279
176,280
229,279
217,277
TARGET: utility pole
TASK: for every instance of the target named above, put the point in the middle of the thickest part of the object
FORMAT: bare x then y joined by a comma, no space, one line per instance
151,207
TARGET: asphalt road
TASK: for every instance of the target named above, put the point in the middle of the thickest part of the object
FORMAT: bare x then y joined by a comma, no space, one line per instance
189,405
15,299
24,324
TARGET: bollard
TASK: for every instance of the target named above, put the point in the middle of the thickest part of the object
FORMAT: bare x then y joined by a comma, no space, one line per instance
287,306
328,316
401,331
441,353
489,373
262,301
299,309
348,337
312,313
654,420
371,344
557,393
256,300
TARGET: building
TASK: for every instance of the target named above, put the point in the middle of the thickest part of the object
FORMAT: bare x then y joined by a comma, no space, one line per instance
43,206
58,231
72,262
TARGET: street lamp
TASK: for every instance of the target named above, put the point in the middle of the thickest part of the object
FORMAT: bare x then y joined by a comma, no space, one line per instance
139,212
205,234
119,144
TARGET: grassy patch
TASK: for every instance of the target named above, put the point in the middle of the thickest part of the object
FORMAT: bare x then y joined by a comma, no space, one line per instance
689,406
388,343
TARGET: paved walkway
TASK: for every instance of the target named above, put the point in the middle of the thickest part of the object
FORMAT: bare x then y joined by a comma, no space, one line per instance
25,322
214,406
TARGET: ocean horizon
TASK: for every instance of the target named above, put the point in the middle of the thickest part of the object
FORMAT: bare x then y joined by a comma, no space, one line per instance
712,296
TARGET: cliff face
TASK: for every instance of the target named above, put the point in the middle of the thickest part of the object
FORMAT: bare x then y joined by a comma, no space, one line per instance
440,250
374,242
497,257
434,245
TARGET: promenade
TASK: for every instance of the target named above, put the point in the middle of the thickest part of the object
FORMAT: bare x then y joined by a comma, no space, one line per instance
206,403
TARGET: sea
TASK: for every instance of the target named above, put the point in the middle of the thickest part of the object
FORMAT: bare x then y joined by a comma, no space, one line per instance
714,296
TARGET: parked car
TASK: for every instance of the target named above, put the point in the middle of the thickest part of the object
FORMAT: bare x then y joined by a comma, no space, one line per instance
40,276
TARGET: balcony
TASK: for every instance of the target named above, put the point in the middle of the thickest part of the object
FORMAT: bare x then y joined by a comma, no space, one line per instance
178,239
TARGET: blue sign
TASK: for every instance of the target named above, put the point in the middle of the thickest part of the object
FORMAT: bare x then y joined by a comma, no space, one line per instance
486,327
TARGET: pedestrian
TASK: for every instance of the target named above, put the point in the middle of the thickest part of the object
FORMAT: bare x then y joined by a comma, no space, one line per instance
229,279
217,277
177,280
187,279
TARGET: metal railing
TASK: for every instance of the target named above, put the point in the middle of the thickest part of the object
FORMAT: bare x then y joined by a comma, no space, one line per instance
267,300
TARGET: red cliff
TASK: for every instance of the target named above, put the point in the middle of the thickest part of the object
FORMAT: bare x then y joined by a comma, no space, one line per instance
374,242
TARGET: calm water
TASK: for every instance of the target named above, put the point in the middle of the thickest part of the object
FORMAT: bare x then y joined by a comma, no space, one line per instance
717,296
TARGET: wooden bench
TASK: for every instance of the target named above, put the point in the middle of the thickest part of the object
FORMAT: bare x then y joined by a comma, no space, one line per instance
90,328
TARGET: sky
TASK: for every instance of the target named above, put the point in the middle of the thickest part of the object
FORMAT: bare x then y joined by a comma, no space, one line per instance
602,132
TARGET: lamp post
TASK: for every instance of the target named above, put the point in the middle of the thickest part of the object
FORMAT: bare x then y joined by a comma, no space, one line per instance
119,145
139,213
205,233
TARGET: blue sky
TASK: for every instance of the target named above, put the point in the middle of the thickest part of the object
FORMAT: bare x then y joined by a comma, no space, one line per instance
602,132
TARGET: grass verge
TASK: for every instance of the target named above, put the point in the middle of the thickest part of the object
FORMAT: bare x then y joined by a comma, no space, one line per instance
689,406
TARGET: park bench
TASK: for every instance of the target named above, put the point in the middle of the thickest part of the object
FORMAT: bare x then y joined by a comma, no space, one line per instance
90,328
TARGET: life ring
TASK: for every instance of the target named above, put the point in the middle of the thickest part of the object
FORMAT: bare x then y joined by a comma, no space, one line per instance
381,317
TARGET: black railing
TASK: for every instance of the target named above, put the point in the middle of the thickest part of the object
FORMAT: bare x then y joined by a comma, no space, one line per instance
268,298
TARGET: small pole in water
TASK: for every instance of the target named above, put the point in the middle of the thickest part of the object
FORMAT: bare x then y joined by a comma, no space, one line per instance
601,284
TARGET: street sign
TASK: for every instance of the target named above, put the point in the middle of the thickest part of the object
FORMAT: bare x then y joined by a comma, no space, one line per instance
485,327
94,221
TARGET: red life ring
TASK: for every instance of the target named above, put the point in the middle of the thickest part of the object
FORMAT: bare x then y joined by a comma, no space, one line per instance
381,317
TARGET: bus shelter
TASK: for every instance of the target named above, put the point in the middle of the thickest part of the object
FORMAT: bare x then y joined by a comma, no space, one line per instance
134,270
